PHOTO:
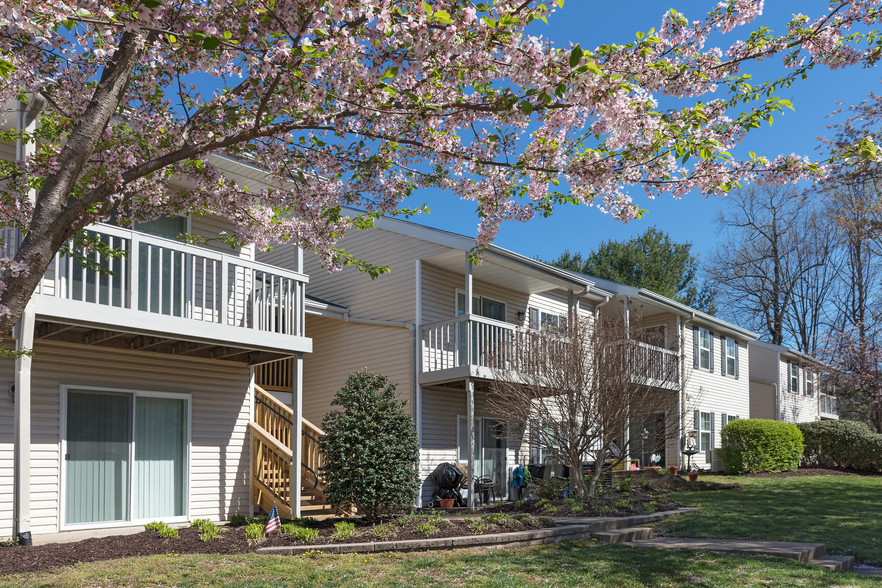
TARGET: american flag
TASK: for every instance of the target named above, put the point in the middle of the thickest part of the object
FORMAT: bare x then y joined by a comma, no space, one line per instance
273,522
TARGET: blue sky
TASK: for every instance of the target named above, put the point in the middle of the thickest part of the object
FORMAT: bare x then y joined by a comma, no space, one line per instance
690,219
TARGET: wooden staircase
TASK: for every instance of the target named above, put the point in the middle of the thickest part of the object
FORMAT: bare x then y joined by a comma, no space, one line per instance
272,459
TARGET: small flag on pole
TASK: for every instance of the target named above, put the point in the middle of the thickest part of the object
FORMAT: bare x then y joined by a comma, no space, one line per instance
273,522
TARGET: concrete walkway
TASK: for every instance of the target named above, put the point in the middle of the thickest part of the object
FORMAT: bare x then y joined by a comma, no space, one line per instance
811,553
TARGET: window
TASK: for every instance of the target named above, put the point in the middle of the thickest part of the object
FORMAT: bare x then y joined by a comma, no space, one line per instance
705,431
541,320
809,383
481,306
730,360
704,349
728,418
656,335
794,378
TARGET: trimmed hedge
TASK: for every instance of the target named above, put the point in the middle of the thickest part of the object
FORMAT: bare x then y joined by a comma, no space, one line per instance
751,446
842,444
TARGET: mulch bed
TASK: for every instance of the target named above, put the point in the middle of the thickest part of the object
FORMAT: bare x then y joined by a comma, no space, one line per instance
41,558
612,503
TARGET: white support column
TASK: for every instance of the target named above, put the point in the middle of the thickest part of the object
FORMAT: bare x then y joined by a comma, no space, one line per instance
627,317
571,307
418,369
24,341
470,427
296,434
468,311
681,397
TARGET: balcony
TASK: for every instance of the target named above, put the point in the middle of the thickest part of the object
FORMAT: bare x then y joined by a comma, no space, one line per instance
447,355
160,288
828,406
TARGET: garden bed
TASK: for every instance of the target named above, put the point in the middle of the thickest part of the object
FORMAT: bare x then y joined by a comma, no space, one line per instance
233,539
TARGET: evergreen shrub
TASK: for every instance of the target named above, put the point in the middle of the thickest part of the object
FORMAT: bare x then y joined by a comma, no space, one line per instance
370,448
751,446
842,444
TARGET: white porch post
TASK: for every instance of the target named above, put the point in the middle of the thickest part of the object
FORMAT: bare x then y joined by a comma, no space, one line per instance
418,369
680,392
296,434
24,340
468,311
571,307
627,317
470,427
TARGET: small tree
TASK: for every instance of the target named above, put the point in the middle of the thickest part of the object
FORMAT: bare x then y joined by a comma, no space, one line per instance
370,447
579,388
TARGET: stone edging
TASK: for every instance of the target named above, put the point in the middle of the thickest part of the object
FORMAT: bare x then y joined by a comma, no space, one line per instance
570,529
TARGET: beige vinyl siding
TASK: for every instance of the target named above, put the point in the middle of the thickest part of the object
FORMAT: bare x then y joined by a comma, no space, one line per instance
341,348
7,440
715,393
668,320
220,406
7,151
764,365
391,296
210,227
762,400
283,255
796,408
439,289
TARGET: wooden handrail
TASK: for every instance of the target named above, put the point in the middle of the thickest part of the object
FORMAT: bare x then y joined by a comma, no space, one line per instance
271,442
272,400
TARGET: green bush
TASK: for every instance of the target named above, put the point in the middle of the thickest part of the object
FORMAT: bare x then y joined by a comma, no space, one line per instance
238,520
254,532
370,448
751,446
299,533
842,444
343,530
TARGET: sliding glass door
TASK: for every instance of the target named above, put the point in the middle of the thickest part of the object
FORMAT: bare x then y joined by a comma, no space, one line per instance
125,456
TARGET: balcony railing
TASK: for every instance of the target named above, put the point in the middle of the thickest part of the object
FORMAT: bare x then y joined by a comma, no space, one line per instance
125,269
829,406
472,340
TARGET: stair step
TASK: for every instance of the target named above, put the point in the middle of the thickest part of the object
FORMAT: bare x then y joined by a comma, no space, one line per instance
834,562
623,535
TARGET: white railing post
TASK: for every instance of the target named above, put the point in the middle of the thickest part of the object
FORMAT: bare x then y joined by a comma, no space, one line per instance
224,278
133,263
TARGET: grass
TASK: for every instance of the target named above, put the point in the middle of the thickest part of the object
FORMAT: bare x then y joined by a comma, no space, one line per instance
572,564
843,512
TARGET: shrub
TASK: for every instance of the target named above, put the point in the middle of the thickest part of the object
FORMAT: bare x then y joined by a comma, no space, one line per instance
552,489
238,520
842,444
298,533
343,530
751,446
370,448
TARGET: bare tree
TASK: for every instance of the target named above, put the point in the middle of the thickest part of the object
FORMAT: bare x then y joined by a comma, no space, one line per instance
578,388
766,252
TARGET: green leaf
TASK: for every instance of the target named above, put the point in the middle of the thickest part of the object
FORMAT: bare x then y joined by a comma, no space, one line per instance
211,43
6,68
390,73
592,67
151,3
442,16
576,56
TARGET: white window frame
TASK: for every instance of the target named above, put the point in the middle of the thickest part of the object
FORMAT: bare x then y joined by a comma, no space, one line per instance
664,334
705,351
477,311
727,357
793,377
62,467
701,431
809,377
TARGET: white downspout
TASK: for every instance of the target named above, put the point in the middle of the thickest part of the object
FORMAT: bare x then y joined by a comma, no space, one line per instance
418,369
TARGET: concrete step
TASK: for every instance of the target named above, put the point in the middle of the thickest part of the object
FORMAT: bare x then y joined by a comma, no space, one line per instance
834,562
623,535
803,552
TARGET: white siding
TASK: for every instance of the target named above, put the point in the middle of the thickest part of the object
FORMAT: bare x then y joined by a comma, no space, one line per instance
341,348
796,407
715,393
210,227
220,408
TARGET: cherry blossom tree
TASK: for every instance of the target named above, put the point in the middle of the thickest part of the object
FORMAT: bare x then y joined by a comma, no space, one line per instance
361,102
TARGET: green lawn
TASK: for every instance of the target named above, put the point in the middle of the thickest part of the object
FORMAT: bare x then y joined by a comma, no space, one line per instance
574,564
843,512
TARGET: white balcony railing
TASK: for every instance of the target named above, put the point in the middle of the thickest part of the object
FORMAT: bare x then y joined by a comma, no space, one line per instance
135,271
472,340
829,406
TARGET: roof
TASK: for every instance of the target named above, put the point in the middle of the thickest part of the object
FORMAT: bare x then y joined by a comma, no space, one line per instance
791,352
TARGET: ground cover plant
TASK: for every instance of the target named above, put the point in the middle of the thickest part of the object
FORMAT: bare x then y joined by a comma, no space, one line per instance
578,564
841,511
205,537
